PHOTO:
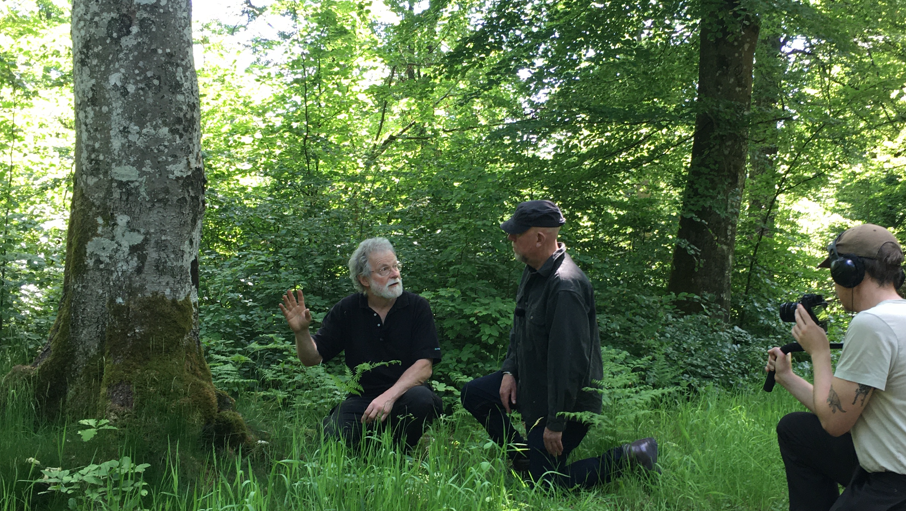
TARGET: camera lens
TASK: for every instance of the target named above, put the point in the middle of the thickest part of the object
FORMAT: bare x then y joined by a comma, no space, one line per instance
788,312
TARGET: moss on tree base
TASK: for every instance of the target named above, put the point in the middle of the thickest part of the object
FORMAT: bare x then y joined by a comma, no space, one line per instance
149,370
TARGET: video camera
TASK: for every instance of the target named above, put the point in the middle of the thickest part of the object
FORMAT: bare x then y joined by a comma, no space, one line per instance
812,304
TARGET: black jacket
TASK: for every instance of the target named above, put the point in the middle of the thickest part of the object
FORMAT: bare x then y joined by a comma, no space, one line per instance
555,349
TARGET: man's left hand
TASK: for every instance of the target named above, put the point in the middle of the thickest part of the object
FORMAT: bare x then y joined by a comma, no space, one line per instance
808,334
553,441
379,409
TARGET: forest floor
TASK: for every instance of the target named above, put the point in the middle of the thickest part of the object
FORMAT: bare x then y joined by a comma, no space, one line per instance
718,451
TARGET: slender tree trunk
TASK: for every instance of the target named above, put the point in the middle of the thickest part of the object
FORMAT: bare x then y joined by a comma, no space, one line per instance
766,91
703,257
762,182
125,343
7,211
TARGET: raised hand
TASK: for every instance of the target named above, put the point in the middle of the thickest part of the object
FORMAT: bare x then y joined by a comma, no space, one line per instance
297,315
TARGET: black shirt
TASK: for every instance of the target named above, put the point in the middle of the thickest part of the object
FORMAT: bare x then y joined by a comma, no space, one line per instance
555,348
407,335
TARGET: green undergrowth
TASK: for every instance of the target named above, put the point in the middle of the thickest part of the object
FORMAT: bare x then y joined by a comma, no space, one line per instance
718,452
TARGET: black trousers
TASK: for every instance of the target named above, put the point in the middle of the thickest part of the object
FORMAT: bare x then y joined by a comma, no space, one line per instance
816,463
481,397
409,417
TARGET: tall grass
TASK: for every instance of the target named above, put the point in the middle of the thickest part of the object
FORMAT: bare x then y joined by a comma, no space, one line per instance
718,452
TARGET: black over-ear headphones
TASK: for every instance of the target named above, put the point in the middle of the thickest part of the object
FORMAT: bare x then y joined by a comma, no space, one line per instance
847,270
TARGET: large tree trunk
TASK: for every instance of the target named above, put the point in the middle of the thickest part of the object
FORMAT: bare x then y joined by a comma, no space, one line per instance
703,257
125,344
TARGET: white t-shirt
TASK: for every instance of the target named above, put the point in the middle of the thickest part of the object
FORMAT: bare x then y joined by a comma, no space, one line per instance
874,354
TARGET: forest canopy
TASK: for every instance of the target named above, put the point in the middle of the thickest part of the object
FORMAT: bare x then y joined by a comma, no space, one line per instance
324,123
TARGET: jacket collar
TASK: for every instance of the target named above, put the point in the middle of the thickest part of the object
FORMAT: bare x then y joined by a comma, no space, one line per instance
552,262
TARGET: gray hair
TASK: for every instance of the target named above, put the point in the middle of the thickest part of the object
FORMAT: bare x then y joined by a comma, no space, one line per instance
358,261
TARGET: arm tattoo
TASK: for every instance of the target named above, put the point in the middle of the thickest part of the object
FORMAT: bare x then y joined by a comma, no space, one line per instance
833,400
863,391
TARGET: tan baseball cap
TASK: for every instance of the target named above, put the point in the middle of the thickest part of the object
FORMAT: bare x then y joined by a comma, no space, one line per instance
863,240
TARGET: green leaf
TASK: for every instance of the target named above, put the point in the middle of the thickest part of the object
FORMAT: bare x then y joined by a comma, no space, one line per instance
88,434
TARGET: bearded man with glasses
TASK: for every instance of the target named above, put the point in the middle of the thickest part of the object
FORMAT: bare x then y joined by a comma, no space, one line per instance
380,325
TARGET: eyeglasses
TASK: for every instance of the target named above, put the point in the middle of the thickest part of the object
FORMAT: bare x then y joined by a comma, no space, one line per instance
385,270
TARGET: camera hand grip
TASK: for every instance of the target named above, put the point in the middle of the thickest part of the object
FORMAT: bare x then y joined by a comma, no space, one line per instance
769,382
788,348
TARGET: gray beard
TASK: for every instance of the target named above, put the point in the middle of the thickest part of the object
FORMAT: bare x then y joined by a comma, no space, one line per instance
388,292
519,257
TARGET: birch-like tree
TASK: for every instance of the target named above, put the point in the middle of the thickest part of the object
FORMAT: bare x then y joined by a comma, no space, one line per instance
125,344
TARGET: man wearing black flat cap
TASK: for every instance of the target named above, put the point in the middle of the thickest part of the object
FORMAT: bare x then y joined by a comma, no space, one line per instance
554,355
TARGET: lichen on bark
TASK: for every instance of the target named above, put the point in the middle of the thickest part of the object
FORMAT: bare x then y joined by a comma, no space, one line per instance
125,343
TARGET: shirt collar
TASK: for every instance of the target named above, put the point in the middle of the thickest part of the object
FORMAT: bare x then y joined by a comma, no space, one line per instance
401,301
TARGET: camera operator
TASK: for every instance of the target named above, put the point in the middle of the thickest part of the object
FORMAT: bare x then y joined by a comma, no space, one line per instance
855,434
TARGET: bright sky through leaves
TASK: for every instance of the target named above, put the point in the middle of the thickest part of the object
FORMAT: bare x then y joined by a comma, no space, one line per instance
230,11
225,10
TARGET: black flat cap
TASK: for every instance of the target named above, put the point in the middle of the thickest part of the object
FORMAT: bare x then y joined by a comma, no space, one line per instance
533,213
